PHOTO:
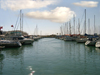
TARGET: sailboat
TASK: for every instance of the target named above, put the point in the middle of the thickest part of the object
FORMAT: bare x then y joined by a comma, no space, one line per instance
93,39
69,37
21,38
82,39
91,42
36,36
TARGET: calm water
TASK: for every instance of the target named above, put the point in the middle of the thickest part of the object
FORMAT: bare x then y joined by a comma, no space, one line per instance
50,56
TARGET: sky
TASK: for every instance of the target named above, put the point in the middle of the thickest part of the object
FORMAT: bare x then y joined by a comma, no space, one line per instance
48,17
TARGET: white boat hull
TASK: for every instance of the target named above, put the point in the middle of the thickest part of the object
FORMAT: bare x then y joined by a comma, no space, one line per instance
23,40
10,43
90,43
97,44
28,41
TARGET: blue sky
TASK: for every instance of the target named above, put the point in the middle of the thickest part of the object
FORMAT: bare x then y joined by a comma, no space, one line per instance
49,15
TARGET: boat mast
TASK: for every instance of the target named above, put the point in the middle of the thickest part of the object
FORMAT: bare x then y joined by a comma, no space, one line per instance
70,26
36,30
20,19
67,27
85,21
79,26
61,30
74,23
94,24
22,23
64,28
89,26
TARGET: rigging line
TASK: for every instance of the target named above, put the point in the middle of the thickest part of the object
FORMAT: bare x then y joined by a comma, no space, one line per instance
81,21
81,29
82,17
27,26
16,23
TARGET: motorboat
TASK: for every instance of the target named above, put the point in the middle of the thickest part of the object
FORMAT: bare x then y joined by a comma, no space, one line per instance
23,40
10,43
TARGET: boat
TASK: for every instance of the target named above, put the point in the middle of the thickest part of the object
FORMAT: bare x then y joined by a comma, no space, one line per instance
27,41
81,40
97,44
61,37
35,38
10,43
91,41
68,38
20,36
23,40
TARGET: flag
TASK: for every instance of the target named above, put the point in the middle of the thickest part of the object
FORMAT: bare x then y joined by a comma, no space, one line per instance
1,28
12,26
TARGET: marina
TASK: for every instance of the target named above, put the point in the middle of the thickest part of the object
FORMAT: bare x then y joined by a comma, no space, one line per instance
50,56
49,37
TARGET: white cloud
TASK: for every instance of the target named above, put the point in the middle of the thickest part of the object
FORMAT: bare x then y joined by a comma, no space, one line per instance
59,14
86,3
25,4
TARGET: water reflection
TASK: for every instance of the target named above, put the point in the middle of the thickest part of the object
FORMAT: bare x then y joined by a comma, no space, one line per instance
13,63
1,62
90,48
15,52
82,57
97,50
52,57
